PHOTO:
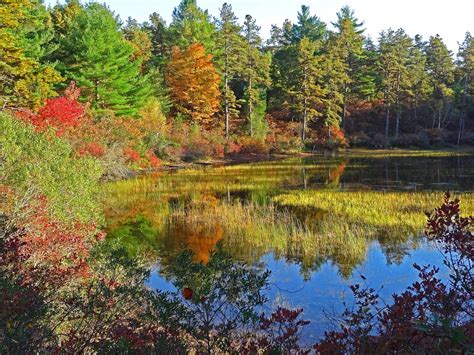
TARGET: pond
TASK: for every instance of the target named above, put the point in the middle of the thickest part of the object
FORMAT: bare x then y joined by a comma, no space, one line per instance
317,223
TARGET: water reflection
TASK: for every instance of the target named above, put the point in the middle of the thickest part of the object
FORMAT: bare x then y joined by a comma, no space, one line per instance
304,219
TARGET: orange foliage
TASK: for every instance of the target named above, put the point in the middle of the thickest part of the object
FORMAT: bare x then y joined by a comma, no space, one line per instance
194,83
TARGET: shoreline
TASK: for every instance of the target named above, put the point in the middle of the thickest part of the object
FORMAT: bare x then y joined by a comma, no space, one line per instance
257,158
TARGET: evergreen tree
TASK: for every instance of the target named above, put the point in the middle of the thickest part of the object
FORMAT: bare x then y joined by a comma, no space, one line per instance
138,37
366,75
308,26
465,80
98,58
230,50
346,47
440,68
394,47
255,71
158,31
191,25
419,88
26,33
306,95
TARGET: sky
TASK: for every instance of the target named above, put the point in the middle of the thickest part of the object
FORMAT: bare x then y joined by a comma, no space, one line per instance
450,19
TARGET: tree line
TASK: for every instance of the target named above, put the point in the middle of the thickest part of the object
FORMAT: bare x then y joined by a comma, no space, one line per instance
220,72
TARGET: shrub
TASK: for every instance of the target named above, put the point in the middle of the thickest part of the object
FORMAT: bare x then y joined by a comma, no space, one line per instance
59,112
41,164
249,145
419,140
92,148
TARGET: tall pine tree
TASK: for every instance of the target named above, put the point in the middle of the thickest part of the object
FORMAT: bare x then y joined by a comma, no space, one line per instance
440,68
230,46
99,59
255,71
191,25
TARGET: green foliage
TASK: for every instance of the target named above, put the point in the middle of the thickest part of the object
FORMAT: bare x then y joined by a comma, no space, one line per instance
41,164
256,69
440,66
95,55
230,48
192,25
26,78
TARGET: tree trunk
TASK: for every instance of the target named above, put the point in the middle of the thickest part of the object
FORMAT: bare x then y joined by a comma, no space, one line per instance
439,118
344,107
250,107
226,104
397,125
305,109
463,111
387,121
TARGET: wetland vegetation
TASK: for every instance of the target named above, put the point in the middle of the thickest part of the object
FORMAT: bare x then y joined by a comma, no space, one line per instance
127,226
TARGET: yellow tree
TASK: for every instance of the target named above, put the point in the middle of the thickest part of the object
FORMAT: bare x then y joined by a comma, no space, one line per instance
25,33
194,83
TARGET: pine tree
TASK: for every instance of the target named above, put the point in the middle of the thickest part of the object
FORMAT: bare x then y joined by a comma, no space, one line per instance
255,71
98,58
158,31
440,68
191,25
308,26
307,96
26,77
394,48
138,37
465,80
194,83
419,88
230,50
347,47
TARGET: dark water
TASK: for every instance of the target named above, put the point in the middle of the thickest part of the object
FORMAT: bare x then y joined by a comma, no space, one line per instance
139,218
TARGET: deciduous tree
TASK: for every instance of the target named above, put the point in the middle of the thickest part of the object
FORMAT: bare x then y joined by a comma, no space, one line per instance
194,83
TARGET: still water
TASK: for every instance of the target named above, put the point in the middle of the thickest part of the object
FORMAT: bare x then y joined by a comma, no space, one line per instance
316,223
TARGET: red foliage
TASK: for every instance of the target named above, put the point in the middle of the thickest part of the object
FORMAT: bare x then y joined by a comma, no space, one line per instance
233,148
218,150
153,159
187,293
131,155
59,247
59,112
92,148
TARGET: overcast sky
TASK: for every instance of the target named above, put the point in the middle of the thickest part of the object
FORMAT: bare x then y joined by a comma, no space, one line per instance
450,19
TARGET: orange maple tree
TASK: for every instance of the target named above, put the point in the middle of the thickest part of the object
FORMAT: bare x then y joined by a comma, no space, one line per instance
194,83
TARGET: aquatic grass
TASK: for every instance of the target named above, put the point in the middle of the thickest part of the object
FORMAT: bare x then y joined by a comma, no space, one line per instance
254,230
406,153
388,214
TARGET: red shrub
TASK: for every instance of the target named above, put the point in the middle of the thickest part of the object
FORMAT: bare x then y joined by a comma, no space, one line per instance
131,155
153,159
53,244
92,148
218,150
59,112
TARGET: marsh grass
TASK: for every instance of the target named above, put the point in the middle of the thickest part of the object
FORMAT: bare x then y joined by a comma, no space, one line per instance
406,153
259,208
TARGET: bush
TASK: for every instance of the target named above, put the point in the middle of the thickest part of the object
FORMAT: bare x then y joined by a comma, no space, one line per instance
250,145
41,164
419,140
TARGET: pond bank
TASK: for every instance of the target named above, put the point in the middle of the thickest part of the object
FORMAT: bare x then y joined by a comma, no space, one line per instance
255,158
